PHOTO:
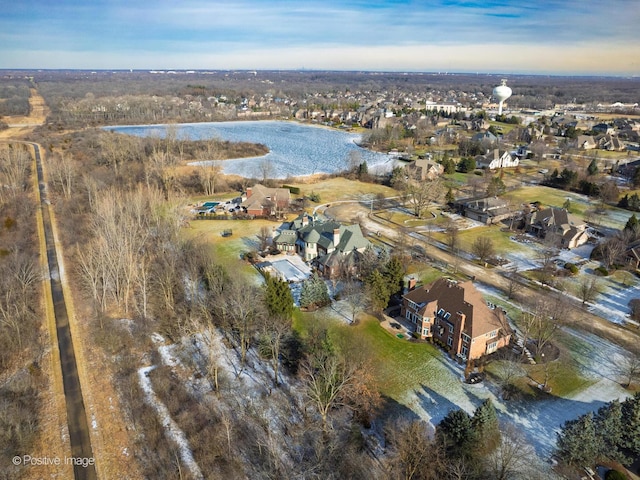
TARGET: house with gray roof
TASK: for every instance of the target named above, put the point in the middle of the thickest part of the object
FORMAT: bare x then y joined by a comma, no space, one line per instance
565,229
488,210
328,245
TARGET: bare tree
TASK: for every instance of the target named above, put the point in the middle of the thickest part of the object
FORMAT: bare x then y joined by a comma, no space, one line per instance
421,193
452,234
412,452
483,248
514,459
588,289
629,368
352,293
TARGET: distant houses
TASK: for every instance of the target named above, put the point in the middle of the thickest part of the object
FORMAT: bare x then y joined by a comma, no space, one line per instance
456,316
495,159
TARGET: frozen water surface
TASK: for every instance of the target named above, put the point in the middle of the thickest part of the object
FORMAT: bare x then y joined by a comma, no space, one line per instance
294,149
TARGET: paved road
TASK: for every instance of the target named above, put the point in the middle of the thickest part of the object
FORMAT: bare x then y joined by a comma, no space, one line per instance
76,414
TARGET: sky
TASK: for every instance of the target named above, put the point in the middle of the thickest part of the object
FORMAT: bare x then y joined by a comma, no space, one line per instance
573,37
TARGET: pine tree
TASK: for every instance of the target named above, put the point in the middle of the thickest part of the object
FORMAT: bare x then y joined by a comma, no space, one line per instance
314,292
485,425
610,428
592,169
456,433
278,297
378,290
394,273
631,432
449,197
577,443
632,223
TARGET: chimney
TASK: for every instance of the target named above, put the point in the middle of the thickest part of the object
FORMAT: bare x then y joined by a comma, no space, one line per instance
412,283
249,191
336,237
305,220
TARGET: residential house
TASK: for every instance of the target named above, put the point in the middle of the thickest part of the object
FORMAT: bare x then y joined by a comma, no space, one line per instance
609,142
585,142
457,317
265,201
494,159
331,246
568,230
488,210
484,137
424,169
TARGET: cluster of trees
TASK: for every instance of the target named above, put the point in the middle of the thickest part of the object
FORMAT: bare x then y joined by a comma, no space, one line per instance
14,99
611,433
567,179
21,317
464,447
383,278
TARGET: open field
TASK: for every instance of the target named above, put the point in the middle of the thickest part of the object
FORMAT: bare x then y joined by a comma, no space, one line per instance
338,188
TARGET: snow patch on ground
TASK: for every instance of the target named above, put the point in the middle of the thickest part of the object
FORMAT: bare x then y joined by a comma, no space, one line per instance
171,428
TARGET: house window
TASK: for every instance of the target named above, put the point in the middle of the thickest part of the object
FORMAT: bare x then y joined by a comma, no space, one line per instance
493,334
492,347
450,341
425,331
466,338
408,315
450,328
447,315
465,351
441,312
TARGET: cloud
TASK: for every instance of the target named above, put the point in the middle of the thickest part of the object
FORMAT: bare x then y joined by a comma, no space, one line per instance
146,32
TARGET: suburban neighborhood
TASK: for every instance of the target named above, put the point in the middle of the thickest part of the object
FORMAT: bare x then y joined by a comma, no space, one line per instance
460,281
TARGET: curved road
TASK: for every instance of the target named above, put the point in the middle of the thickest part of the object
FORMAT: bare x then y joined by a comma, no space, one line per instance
76,415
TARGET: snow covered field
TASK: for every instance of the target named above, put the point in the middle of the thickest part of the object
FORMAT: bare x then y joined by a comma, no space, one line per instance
294,149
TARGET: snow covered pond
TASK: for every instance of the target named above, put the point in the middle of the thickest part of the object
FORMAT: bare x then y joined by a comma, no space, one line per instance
294,149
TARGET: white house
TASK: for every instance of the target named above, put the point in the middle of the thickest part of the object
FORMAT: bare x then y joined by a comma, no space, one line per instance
494,159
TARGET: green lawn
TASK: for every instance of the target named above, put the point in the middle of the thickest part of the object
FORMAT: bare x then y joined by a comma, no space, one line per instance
338,188
400,365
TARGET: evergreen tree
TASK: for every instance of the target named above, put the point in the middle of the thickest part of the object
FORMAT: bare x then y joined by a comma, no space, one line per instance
378,290
394,273
485,425
567,205
456,434
496,187
278,297
577,443
449,198
632,224
624,201
314,292
610,427
592,169
631,432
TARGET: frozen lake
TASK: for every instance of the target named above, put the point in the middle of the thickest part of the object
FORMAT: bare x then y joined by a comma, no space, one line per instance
294,149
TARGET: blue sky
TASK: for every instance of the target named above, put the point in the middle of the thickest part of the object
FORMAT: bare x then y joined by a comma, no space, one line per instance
534,36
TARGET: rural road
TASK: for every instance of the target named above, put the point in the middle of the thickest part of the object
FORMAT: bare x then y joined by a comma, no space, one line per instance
76,415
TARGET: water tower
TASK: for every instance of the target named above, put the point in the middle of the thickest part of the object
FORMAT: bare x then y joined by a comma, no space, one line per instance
501,93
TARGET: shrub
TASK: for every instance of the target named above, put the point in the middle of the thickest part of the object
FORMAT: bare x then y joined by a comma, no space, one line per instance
314,197
614,475
292,189
572,267
602,271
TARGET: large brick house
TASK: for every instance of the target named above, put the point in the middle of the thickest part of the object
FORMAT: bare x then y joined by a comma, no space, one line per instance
457,316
